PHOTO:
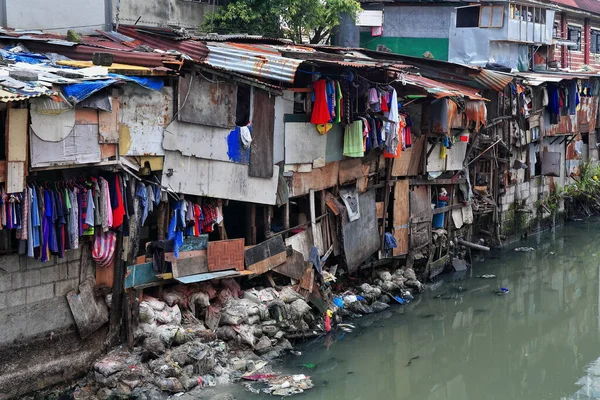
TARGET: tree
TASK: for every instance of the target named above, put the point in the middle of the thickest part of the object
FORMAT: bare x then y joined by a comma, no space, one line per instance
294,19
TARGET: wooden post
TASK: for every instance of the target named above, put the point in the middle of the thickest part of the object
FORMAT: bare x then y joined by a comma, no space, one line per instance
386,200
116,311
250,224
313,220
268,218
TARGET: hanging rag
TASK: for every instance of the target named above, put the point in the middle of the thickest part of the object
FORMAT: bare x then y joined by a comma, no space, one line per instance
245,136
353,140
390,241
103,250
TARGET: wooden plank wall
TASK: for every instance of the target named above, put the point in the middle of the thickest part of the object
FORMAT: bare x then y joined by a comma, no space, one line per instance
263,126
401,216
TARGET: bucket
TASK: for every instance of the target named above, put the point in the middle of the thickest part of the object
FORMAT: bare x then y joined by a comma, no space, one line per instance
464,137
438,219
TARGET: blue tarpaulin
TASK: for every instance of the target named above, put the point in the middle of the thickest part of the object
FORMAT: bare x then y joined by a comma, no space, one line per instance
29,58
77,92
144,81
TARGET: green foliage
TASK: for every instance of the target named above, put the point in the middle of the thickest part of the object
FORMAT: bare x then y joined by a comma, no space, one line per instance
293,19
585,191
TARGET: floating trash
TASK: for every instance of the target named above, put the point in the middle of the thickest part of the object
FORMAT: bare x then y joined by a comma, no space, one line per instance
524,249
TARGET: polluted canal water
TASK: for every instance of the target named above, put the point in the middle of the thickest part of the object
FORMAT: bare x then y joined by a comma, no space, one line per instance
460,340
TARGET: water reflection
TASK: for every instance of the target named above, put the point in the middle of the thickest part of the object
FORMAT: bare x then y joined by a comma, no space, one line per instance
534,343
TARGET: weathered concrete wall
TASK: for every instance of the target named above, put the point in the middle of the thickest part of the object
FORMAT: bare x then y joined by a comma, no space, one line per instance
58,15
519,204
413,30
186,14
39,342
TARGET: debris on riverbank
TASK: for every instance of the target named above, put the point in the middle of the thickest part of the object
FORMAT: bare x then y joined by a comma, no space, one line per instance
200,336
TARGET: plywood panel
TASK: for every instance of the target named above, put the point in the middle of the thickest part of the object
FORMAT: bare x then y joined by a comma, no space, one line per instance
317,179
226,254
15,178
303,144
263,125
409,161
303,241
361,237
108,123
207,142
217,179
190,265
350,170
17,134
420,204
79,147
401,216
456,156
144,115
207,103
434,162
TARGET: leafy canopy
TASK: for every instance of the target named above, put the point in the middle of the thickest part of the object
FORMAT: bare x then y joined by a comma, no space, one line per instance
294,19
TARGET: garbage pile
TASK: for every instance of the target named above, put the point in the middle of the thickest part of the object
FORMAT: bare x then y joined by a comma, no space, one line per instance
375,297
208,334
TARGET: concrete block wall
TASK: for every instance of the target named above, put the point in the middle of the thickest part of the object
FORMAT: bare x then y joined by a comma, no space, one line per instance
28,286
39,342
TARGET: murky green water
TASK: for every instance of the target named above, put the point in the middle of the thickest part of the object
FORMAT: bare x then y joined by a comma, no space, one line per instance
541,341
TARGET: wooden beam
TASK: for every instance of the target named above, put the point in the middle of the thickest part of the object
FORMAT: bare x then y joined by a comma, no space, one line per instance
313,221
418,182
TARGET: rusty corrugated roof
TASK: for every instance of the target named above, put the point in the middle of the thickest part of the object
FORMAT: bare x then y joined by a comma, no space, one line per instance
494,80
196,50
249,59
440,89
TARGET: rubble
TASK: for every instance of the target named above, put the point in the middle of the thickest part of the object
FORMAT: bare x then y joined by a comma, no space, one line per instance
198,336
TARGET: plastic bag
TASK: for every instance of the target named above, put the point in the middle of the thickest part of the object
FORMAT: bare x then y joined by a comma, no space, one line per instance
147,314
379,306
174,297
246,333
199,298
289,295
267,295
155,303
169,315
233,287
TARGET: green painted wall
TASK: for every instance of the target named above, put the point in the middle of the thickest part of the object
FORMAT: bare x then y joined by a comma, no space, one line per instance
408,46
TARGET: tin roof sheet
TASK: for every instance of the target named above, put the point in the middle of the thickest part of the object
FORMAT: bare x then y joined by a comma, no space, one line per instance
441,89
494,80
252,60
196,50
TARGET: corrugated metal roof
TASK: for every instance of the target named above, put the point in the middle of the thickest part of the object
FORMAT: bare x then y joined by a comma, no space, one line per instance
537,79
494,80
252,60
440,89
196,50
6,96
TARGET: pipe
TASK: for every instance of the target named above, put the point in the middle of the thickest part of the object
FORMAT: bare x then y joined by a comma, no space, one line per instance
473,245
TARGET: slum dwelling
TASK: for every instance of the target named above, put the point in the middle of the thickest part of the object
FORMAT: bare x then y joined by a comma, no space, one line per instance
168,169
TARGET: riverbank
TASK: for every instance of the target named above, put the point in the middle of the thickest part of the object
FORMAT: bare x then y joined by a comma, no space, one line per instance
195,337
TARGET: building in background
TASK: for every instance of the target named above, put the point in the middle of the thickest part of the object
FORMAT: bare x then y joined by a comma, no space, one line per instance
86,16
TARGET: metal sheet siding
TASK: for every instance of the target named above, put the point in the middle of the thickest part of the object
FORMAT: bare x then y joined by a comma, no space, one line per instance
249,60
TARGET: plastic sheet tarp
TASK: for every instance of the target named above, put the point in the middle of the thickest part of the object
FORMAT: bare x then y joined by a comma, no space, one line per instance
29,58
78,92
144,81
